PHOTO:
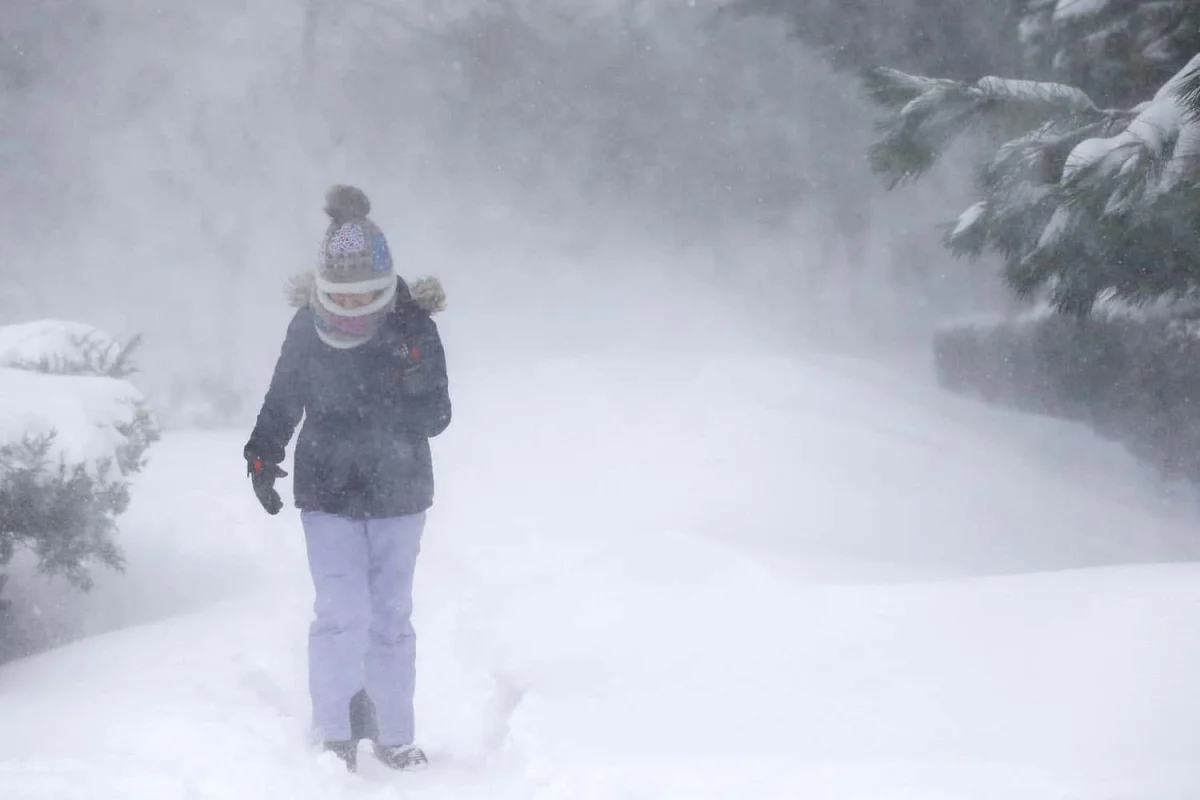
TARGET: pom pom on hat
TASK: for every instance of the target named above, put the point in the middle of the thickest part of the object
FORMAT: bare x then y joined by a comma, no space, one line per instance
345,203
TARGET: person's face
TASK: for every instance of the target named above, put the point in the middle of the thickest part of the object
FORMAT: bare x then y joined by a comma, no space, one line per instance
352,301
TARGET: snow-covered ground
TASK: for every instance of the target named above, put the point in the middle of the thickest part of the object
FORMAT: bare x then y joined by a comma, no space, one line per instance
725,578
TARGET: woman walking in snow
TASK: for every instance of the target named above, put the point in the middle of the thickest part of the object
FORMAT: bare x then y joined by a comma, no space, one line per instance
362,362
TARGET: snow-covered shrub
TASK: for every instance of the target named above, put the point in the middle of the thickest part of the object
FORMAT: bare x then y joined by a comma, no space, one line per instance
1132,376
73,431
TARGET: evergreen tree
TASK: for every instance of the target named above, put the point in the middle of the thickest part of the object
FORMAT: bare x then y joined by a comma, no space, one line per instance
944,37
1082,202
1085,202
1119,51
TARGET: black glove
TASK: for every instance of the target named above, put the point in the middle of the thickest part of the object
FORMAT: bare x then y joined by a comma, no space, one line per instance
262,477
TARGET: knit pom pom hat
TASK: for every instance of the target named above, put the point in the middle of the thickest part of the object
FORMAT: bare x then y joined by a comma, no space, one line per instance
354,259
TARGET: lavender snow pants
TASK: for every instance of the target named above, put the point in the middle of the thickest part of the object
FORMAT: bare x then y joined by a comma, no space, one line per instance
362,634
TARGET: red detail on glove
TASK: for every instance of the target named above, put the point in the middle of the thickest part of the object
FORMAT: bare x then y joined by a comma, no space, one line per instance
258,465
416,352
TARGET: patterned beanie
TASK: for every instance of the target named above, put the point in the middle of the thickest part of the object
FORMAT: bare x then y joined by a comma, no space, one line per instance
354,259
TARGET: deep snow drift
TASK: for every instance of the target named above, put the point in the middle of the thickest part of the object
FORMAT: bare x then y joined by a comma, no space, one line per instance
721,578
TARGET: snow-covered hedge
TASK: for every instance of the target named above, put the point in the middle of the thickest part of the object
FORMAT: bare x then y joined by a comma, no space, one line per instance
73,431
1133,376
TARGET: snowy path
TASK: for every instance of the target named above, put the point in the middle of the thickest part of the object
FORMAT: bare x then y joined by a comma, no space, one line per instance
746,580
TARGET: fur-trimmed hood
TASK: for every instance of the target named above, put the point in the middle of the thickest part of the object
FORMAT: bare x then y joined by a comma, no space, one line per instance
427,293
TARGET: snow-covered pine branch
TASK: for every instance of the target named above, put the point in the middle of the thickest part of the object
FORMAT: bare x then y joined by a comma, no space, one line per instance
1131,199
929,114
1120,50
1083,202
1189,94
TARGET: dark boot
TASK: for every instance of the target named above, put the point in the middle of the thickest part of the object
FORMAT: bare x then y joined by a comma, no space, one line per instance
363,724
346,751
404,756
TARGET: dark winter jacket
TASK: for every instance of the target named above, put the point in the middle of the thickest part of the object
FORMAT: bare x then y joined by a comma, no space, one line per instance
369,411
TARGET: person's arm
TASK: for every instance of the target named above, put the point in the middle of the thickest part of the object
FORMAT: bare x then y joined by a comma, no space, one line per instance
424,385
283,405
